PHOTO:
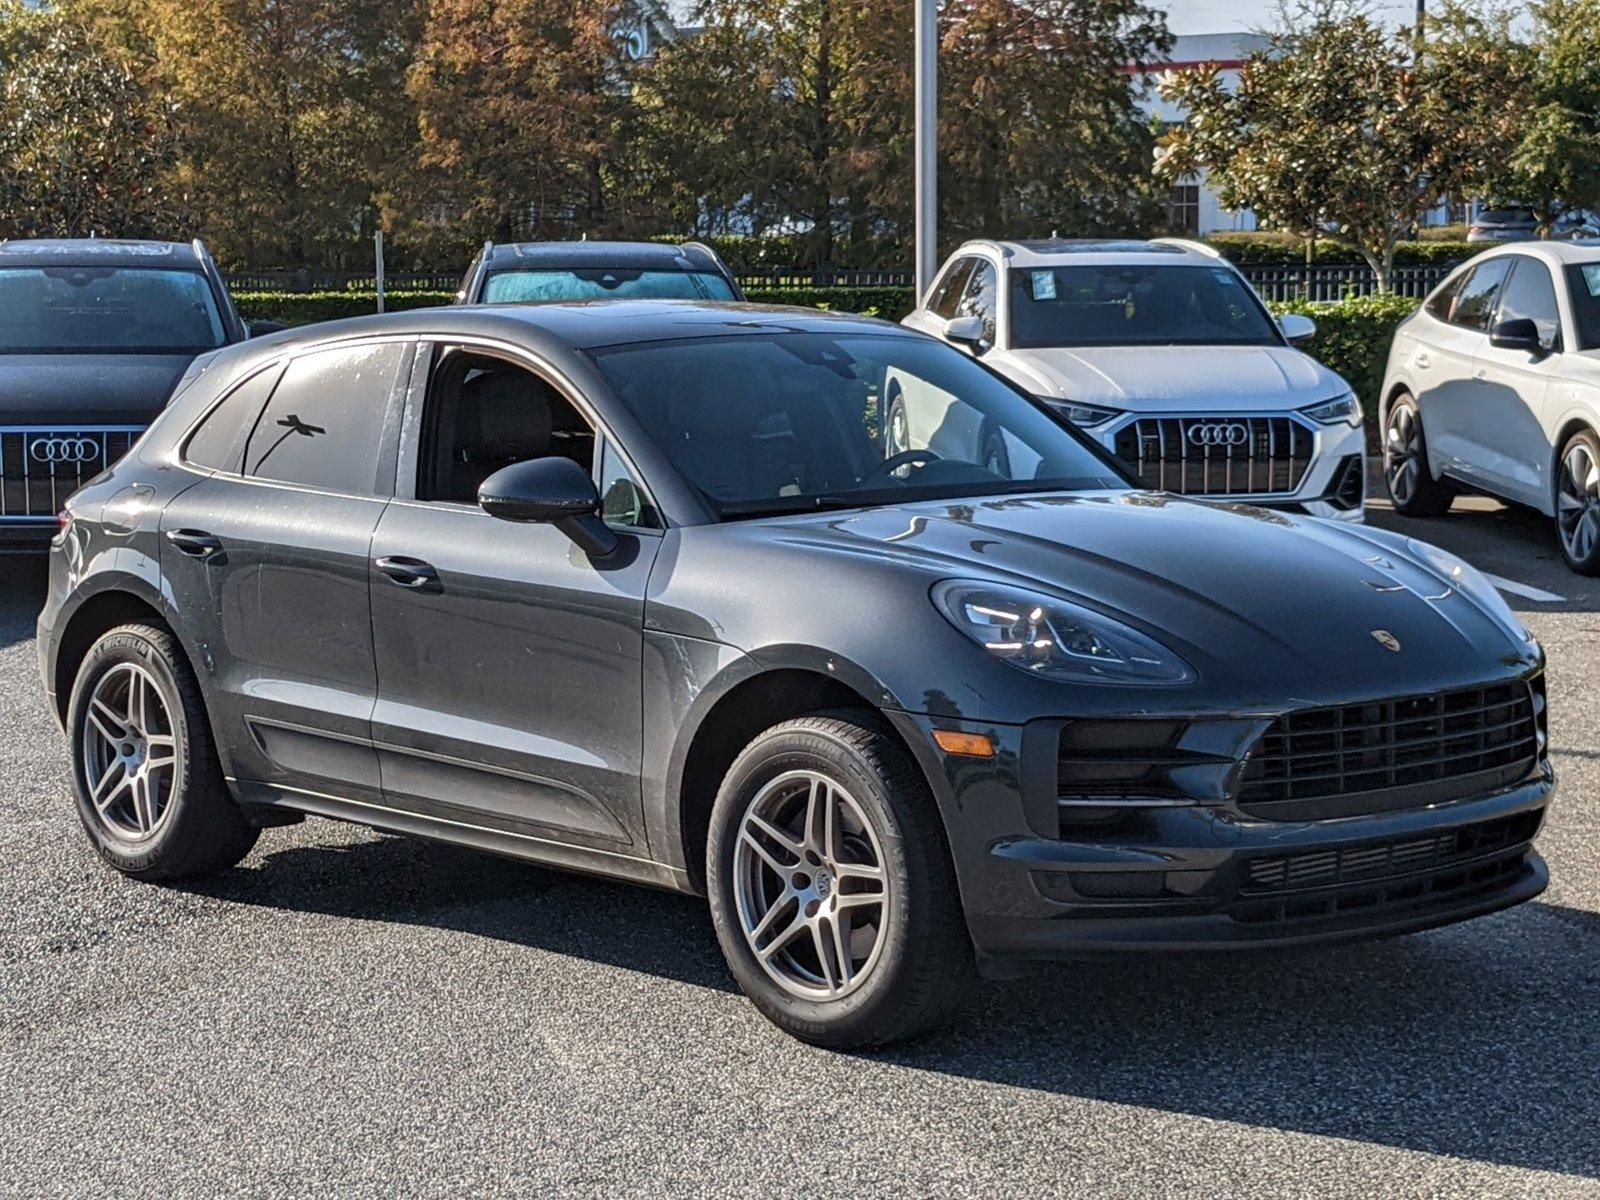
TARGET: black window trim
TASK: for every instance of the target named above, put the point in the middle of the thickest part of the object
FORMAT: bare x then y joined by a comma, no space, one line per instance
410,426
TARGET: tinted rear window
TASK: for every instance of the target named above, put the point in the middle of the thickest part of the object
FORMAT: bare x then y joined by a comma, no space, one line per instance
324,425
106,310
603,283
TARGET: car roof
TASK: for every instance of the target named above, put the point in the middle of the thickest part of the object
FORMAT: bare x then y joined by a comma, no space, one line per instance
658,256
1049,252
582,325
97,252
1559,254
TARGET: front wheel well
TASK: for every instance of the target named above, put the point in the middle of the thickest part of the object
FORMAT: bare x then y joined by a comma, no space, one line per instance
97,616
1564,435
732,723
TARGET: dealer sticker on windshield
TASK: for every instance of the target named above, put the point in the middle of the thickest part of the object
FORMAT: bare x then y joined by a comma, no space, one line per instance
1044,285
1591,276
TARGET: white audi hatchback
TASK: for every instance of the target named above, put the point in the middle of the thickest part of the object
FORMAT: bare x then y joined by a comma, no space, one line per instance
1493,385
1161,351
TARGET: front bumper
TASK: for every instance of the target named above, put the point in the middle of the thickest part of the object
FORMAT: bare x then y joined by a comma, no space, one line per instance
1207,877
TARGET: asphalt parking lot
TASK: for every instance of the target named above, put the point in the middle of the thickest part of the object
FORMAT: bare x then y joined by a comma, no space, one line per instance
351,1014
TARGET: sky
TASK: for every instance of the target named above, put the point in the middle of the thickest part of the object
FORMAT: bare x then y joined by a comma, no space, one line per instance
1221,16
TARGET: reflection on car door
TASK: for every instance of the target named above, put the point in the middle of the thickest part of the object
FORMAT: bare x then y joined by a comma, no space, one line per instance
1445,382
268,557
1503,410
509,664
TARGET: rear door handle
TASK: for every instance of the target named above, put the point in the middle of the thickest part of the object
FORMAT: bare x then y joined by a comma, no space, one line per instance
407,572
193,542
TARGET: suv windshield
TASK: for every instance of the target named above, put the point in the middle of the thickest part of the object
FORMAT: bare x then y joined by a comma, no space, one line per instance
604,283
1118,305
789,422
106,310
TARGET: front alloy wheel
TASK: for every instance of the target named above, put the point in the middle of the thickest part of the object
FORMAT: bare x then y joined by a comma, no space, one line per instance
1578,503
1412,487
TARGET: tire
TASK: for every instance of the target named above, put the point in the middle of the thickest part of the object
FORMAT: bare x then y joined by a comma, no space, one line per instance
1411,485
135,691
1578,502
910,959
896,439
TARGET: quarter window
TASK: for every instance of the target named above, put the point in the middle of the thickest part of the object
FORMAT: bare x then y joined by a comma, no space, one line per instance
1475,299
1531,295
1440,302
215,444
324,426
622,500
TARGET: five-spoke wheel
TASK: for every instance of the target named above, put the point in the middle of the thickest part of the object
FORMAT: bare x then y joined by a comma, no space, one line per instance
129,752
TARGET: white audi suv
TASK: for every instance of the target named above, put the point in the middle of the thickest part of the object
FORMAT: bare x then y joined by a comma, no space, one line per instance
1493,385
1160,350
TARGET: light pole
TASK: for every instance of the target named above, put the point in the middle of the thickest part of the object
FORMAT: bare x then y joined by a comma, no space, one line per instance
927,138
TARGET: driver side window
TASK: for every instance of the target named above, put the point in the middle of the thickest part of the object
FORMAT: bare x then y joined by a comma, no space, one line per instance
982,299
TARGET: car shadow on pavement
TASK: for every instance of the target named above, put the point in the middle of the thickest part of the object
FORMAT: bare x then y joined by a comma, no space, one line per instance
1481,1041
22,587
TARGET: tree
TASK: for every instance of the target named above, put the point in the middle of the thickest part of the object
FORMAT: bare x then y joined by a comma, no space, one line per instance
521,107
83,146
293,114
1339,126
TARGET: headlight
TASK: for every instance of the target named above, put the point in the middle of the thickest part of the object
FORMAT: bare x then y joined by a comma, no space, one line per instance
1469,581
1054,638
1344,408
1084,415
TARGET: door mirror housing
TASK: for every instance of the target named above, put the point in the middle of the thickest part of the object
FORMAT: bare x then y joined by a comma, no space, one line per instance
966,332
1297,328
1520,333
257,329
550,491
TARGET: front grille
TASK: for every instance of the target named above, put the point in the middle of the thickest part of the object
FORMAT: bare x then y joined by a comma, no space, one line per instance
40,467
1368,861
1218,456
1330,762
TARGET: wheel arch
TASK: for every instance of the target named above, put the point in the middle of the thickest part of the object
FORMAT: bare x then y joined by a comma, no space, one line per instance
121,603
751,705
1571,426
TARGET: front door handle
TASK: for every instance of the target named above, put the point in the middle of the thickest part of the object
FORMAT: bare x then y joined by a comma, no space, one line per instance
193,542
407,572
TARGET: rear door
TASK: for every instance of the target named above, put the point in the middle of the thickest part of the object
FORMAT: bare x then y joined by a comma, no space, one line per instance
268,555
1504,408
1445,378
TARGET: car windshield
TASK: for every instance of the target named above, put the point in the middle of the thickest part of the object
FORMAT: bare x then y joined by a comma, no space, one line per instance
106,310
1117,305
604,283
769,423
1583,285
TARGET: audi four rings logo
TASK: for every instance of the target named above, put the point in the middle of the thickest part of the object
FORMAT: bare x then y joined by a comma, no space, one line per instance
64,450
1218,433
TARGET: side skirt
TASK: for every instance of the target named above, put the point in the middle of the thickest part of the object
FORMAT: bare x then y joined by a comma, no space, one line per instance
272,800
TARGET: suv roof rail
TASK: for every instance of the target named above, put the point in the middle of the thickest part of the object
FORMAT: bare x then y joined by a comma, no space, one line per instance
1189,244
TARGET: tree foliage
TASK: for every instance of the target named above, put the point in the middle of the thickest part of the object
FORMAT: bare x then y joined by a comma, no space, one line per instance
1339,125
84,146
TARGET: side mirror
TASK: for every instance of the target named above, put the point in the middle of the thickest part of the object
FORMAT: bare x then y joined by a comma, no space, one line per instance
965,331
1297,328
1517,334
550,491
257,329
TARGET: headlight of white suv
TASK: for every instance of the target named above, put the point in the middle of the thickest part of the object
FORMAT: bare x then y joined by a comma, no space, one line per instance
1086,416
1054,638
1469,581
1345,409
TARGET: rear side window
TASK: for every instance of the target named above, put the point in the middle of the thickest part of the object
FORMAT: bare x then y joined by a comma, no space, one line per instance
215,445
324,426
1475,299
948,294
1530,295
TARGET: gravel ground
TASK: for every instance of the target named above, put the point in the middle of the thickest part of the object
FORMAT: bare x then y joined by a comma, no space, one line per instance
361,1015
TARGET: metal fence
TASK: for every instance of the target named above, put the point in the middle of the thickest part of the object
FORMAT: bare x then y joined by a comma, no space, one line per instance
1275,281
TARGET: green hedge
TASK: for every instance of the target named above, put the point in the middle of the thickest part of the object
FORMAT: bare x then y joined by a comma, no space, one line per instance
1288,250
1353,337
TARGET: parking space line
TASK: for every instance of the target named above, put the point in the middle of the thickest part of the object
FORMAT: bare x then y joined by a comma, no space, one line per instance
1526,591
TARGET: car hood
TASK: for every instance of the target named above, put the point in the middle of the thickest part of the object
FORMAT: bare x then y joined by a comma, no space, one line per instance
86,389
1175,378
1268,608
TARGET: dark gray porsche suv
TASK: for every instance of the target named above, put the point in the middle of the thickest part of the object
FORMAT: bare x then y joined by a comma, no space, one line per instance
636,589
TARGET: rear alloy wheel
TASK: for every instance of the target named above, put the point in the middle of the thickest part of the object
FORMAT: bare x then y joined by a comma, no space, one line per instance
1412,487
1578,502
150,791
831,886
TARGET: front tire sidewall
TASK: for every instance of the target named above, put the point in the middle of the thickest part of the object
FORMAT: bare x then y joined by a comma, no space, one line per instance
1589,565
125,646
859,1016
